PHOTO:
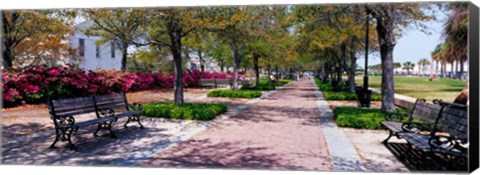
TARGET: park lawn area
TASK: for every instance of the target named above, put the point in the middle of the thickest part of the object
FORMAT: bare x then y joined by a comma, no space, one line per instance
420,87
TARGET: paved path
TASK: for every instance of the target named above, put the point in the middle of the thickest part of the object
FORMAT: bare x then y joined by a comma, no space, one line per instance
282,131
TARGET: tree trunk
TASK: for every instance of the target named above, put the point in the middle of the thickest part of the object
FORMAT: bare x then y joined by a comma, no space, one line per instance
452,69
222,66
462,69
202,61
386,39
5,45
339,74
456,69
124,56
351,73
236,63
444,69
256,67
175,34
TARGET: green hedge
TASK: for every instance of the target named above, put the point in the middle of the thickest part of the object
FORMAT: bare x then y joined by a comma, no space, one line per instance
360,117
189,111
343,94
266,85
235,94
282,82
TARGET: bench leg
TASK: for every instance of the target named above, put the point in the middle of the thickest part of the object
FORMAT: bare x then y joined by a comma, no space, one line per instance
105,126
64,134
389,136
132,119
57,137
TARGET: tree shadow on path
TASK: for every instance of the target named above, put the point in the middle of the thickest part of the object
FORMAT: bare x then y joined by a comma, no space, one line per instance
205,154
413,160
91,150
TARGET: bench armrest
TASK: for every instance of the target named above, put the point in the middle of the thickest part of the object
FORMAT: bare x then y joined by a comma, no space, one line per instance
64,122
396,116
446,143
106,112
412,127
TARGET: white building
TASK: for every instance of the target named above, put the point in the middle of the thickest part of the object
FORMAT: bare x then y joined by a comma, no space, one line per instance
94,56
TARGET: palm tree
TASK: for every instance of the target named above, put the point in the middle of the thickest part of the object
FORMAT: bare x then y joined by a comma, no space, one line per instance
438,57
421,65
455,32
408,66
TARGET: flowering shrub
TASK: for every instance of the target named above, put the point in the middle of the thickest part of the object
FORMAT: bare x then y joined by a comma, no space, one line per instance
38,83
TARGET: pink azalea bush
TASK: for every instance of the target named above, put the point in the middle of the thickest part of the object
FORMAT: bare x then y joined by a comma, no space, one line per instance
37,83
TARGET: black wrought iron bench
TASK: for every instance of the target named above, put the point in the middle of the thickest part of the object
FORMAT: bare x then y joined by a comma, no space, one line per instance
106,109
207,83
223,83
449,135
421,119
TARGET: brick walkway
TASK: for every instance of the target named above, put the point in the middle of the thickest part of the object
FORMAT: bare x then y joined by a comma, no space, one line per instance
281,132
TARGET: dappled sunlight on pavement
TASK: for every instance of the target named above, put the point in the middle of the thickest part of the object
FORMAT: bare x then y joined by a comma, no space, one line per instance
281,131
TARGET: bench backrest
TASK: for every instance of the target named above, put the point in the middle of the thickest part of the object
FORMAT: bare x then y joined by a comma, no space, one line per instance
454,121
116,102
71,106
207,82
425,112
223,81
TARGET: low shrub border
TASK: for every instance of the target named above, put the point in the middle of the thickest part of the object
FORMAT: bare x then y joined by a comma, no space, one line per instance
265,85
235,94
188,111
360,117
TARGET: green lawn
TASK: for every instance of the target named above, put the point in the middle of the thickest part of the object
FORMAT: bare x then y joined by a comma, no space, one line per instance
420,87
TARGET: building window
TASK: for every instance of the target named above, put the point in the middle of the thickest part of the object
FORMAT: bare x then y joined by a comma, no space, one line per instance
112,46
97,51
81,49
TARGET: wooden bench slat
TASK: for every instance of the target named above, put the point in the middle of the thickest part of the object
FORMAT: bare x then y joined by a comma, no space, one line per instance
419,140
94,121
107,98
74,108
393,126
73,100
74,113
112,106
77,104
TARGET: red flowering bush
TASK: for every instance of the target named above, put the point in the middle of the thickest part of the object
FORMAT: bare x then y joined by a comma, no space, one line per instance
37,83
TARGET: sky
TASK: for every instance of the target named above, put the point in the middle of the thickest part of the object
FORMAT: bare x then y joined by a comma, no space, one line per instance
414,44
